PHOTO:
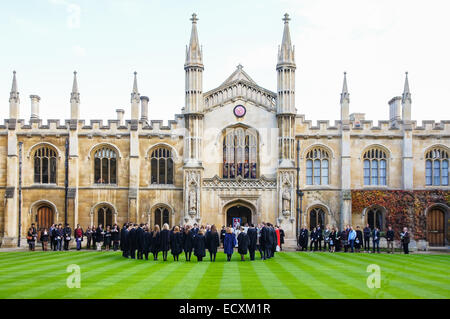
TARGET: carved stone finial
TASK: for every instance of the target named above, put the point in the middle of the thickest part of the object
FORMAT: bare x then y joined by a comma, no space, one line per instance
194,18
286,18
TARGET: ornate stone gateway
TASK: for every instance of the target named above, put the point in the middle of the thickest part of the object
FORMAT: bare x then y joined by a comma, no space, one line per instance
238,211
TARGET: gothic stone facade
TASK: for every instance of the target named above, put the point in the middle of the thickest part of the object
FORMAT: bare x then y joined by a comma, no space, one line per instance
232,152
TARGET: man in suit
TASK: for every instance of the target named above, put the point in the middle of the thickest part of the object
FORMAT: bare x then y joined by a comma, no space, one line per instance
253,237
319,236
67,233
59,237
376,240
390,240
367,234
140,241
268,240
405,240
132,241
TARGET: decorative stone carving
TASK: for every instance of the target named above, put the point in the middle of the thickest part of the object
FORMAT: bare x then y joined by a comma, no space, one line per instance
192,195
239,183
192,201
286,193
286,196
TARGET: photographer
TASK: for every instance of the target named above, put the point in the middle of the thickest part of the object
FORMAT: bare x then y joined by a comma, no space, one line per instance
405,240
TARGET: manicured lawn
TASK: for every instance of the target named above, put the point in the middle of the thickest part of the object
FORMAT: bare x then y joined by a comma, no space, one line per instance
288,275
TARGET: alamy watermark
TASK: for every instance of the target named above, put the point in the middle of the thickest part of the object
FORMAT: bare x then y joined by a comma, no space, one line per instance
374,279
74,279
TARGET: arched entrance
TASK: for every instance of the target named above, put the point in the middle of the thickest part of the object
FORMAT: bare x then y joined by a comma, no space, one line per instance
44,217
239,211
104,216
162,216
316,217
436,227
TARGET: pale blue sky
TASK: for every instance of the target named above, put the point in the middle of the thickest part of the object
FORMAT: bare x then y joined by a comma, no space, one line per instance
107,40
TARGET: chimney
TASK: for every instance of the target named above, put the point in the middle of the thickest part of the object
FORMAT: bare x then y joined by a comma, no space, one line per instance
395,107
34,107
144,108
120,113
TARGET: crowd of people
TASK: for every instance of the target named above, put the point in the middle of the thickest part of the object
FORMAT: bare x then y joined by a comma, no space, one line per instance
349,239
137,241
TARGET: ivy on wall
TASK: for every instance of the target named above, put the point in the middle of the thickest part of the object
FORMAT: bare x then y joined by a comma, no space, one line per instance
403,208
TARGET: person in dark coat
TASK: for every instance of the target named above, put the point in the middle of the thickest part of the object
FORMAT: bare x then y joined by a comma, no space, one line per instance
165,241
376,240
188,242
99,236
88,235
115,237
338,240
200,245
281,238
267,240
94,236
194,230
132,241
124,241
67,233
252,234
390,240
367,232
359,239
78,233
31,238
176,242
405,240
344,239
156,242
51,239
223,231
319,231
58,237
243,242
332,240
147,241
303,238
260,241
314,240
140,241
212,242
229,243
45,234
107,237
274,240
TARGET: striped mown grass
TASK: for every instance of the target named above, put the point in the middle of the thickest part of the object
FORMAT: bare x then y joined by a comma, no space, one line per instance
288,275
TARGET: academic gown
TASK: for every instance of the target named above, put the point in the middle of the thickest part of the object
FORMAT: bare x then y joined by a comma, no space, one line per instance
188,242
156,242
140,239
212,241
147,242
242,243
165,240
252,238
176,243
229,243
199,245
124,245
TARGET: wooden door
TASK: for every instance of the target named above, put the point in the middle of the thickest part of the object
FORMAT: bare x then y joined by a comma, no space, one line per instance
435,228
44,218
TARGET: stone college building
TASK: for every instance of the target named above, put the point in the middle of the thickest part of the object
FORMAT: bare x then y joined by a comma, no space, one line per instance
231,153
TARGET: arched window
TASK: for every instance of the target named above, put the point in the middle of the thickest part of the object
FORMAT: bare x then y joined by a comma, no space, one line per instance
161,216
105,166
104,216
375,167
45,166
316,217
317,167
240,153
436,167
161,163
375,216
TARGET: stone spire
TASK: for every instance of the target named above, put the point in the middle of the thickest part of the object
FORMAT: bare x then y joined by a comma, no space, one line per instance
14,100
345,95
194,51
286,52
75,95
14,95
406,93
406,102
135,99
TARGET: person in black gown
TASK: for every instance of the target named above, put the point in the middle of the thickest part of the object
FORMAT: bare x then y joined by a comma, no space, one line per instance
188,241
176,242
242,244
212,242
200,245
156,242
165,241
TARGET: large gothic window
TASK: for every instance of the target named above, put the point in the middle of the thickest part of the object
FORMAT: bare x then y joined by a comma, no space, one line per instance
161,163
240,153
317,167
316,217
375,216
45,166
436,167
375,167
105,166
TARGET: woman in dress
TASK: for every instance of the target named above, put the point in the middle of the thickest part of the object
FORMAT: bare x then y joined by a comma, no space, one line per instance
229,243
